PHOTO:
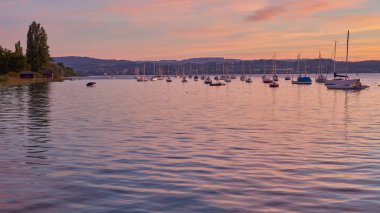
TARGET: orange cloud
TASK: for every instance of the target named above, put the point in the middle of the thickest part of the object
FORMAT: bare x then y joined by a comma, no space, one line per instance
295,8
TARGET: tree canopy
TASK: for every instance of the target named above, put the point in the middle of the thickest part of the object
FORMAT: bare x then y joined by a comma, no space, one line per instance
37,51
12,61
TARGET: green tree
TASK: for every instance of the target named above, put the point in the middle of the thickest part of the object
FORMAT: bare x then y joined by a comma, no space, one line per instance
18,48
12,61
37,51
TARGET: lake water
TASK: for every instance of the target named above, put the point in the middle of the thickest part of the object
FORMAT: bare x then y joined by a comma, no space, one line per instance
127,146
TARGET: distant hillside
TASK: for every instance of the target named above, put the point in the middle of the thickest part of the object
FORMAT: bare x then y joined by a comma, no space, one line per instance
91,66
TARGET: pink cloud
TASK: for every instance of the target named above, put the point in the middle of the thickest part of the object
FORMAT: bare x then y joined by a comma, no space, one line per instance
295,8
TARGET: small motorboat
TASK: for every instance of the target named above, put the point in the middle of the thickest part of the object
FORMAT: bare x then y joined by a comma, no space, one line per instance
249,80
287,78
216,78
243,78
168,79
91,84
184,80
196,78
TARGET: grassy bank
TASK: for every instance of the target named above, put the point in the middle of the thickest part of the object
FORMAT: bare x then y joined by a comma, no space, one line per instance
10,80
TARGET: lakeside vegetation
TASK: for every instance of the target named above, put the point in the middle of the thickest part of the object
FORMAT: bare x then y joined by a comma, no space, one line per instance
36,59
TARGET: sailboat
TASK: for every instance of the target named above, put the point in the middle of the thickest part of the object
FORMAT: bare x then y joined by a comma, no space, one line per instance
196,78
208,80
337,78
320,78
346,84
274,70
227,78
242,77
216,71
160,74
154,77
139,78
191,72
301,79
287,77
223,76
176,71
184,80
266,79
168,79
203,76
249,79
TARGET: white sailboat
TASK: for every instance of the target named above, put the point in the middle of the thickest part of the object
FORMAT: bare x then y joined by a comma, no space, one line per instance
287,77
346,84
196,78
184,80
337,78
242,77
320,78
153,78
227,78
266,79
168,79
274,71
138,77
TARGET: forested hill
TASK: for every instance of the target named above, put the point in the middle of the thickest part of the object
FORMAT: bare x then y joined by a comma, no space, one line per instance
91,66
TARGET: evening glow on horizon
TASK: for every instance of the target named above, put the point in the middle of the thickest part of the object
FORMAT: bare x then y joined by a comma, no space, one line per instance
168,29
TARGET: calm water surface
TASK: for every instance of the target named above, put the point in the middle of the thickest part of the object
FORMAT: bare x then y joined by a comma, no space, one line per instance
173,147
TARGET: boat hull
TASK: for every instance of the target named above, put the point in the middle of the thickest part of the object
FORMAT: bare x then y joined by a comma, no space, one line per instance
217,84
339,81
300,82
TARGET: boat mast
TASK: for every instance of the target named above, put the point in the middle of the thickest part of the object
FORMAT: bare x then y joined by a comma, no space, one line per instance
348,37
264,68
319,64
242,67
144,69
305,66
334,58
274,64
298,63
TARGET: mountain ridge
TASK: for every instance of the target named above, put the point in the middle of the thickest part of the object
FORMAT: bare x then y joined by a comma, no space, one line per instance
92,66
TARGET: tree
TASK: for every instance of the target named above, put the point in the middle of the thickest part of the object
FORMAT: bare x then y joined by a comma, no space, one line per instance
18,49
12,61
37,52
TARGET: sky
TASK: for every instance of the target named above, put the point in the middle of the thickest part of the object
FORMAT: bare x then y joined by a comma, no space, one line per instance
180,29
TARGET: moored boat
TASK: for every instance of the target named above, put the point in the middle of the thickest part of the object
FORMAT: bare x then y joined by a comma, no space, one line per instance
303,80
339,83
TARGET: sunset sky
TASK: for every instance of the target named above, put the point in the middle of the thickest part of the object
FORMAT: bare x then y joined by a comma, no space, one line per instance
178,29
